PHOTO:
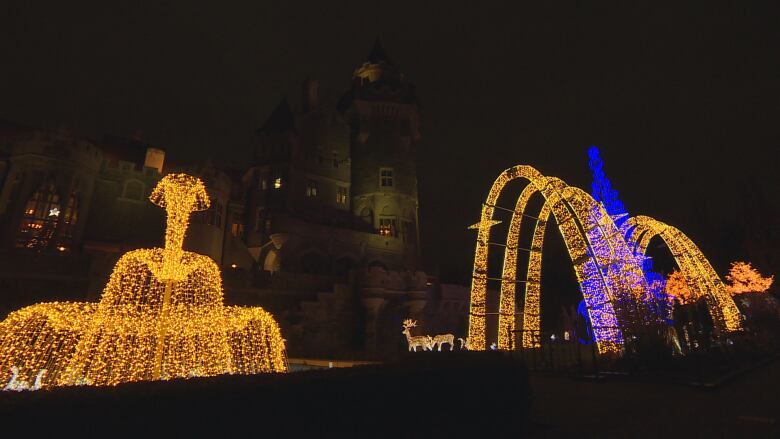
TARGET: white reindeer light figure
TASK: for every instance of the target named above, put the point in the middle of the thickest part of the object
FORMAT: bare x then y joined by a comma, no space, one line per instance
443,338
18,385
464,344
423,341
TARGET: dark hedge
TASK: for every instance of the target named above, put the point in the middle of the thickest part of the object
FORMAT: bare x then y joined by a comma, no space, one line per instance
426,394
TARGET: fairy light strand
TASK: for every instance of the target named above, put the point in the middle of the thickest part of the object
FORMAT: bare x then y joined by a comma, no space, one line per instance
161,316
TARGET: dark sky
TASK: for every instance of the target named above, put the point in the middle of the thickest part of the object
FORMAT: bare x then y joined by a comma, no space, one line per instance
683,100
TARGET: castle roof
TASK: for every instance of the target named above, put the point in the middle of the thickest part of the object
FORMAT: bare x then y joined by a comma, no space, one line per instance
281,119
378,54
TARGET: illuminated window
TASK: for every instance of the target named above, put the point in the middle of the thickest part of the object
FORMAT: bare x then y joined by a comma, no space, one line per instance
387,227
278,179
237,229
311,188
386,177
40,218
341,195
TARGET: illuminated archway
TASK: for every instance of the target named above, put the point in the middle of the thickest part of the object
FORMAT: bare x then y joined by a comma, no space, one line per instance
603,264
694,266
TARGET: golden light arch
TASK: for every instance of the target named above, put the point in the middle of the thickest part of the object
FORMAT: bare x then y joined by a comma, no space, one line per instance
593,242
694,266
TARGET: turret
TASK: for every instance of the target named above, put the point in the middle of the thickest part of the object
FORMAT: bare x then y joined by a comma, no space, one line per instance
382,111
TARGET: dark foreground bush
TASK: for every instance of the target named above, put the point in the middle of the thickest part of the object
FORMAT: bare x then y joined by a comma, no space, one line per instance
428,394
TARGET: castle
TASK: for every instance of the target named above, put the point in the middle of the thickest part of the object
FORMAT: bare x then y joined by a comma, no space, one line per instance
321,227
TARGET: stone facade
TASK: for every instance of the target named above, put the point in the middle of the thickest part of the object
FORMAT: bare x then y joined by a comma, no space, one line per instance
321,227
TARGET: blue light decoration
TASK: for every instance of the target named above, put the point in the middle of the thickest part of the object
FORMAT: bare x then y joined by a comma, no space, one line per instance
583,330
602,191
652,283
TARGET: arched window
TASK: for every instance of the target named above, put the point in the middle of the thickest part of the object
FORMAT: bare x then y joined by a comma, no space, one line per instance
40,218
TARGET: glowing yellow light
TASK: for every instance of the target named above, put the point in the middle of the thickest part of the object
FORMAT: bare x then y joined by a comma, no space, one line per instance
488,223
746,279
677,288
425,342
603,264
695,268
161,316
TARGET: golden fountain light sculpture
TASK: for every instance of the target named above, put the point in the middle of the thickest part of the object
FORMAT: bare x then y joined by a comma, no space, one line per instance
161,316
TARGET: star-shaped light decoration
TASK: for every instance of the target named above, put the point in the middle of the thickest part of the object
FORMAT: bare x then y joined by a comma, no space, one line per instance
490,223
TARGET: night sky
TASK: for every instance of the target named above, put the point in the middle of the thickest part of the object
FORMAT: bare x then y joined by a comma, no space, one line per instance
682,100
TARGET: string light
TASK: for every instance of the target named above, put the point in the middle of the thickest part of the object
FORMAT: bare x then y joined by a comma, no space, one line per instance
609,262
416,341
590,240
701,278
440,339
161,316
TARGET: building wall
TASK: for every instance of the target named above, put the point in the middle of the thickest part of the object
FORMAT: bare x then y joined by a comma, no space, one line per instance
123,212
49,159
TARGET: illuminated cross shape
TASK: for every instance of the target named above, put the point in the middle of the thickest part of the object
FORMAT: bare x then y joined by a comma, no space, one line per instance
487,223
54,212
179,195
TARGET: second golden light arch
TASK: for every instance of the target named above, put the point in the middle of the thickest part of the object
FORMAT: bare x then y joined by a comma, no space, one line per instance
696,269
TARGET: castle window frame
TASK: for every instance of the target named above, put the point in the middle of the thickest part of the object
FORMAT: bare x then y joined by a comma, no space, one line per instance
237,229
388,226
386,178
278,178
341,195
40,218
311,188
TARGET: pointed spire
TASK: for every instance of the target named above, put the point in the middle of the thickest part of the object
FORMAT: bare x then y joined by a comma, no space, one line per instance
378,53
281,119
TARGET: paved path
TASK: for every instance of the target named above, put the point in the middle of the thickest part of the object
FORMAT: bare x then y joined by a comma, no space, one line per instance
747,407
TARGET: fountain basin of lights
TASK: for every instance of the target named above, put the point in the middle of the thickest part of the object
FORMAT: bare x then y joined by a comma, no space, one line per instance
161,316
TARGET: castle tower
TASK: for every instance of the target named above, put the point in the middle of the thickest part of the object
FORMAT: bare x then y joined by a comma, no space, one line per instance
381,109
